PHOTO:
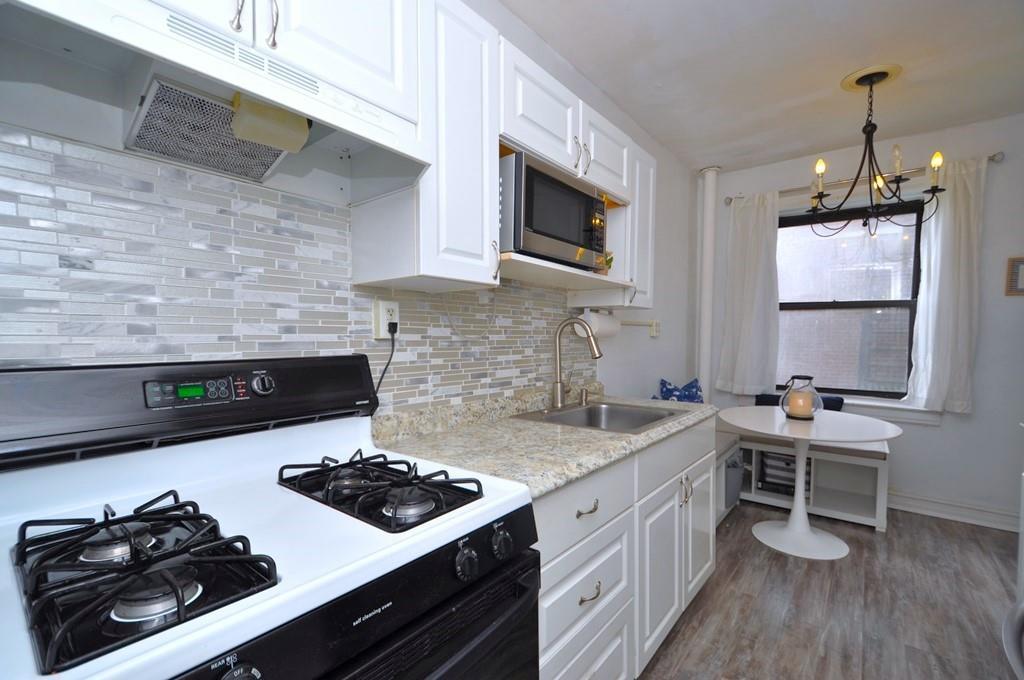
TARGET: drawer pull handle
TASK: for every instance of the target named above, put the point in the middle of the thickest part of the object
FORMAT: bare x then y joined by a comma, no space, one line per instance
687,490
580,513
597,594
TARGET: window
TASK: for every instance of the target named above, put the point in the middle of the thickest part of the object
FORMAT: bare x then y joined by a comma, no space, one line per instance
847,302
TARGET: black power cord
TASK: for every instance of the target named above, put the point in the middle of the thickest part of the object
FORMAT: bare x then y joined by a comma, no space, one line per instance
392,331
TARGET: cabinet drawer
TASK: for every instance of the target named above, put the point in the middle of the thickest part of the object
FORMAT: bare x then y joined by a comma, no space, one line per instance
663,460
567,515
582,589
609,656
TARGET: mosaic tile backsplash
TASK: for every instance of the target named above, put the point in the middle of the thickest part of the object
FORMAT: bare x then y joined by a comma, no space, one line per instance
109,258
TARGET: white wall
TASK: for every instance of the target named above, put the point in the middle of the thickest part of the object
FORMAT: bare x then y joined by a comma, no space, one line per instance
633,361
968,466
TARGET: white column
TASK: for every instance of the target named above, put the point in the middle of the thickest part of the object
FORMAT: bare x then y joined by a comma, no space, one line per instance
709,181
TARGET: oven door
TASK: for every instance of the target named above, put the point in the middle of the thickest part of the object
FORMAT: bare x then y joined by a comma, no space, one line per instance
487,631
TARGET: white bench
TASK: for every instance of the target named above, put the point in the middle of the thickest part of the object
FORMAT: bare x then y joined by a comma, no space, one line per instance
847,481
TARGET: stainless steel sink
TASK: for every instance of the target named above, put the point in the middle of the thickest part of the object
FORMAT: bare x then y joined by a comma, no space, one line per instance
610,417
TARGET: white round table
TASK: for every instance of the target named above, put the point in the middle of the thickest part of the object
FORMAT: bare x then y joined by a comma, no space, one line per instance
796,536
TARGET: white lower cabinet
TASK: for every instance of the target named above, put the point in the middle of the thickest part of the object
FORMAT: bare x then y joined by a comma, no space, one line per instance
699,524
617,571
609,656
662,546
581,591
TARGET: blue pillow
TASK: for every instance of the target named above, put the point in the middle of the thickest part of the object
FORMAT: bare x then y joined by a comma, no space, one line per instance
689,392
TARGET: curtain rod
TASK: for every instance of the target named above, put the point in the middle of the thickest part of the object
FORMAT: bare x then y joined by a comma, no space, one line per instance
997,157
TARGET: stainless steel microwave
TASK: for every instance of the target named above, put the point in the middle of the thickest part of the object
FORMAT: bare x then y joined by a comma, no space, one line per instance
549,214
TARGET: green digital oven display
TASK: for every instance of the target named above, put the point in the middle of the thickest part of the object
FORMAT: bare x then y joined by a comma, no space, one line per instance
189,391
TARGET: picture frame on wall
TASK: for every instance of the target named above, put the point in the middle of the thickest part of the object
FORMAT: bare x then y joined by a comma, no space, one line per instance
1015,276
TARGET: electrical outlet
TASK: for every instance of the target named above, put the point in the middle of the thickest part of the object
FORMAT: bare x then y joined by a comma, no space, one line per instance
384,312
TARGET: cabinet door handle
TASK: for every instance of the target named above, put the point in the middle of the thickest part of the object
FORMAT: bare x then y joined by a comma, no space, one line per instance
586,168
497,260
687,490
580,513
633,296
236,22
579,152
275,15
597,594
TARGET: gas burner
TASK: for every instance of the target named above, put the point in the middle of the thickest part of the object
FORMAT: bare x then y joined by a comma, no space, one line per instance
152,598
115,543
348,481
94,586
407,504
389,494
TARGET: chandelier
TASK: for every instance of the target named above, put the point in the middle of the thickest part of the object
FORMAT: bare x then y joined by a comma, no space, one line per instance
885,190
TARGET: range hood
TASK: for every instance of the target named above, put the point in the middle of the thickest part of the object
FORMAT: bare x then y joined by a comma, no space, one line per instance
175,122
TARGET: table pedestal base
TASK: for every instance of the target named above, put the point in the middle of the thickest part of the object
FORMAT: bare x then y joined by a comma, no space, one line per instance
796,536
813,544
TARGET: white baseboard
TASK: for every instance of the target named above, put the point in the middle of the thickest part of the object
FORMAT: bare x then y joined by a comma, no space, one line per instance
960,512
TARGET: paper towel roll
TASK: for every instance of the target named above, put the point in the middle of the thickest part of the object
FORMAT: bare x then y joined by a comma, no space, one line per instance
604,325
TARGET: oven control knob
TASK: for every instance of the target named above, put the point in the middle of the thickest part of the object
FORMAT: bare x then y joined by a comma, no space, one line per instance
501,544
467,564
243,671
263,385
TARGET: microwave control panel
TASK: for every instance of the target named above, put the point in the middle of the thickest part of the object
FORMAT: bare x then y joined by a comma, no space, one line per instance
598,222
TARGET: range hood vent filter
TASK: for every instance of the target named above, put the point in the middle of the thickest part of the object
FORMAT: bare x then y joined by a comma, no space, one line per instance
193,128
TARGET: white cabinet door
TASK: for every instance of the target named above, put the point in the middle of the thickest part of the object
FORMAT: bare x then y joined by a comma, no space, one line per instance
641,237
538,112
369,49
699,524
606,151
459,229
230,17
660,559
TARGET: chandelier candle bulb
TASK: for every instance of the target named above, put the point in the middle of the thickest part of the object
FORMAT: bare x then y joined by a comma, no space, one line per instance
936,164
897,160
819,170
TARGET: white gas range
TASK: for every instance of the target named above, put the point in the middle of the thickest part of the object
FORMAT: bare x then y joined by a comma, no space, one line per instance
252,569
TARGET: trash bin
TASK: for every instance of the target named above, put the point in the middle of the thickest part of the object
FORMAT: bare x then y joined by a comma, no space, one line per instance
733,479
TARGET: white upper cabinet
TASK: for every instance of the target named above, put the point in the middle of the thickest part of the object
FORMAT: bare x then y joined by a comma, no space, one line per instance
641,246
366,48
543,116
231,17
537,111
606,151
442,234
460,236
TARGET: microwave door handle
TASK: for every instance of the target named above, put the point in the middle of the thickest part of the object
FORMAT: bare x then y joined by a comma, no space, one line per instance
579,152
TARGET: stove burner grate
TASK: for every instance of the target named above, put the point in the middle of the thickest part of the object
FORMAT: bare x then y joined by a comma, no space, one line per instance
165,563
389,494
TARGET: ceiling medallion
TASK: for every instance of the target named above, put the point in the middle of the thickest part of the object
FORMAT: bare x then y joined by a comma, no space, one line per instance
884,189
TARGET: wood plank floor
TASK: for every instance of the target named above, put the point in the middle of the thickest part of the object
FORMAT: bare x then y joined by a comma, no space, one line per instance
924,600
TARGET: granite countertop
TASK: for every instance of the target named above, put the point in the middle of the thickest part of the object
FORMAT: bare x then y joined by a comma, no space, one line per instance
545,456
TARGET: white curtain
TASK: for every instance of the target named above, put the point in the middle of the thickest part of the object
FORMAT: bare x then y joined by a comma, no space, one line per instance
946,326
750,341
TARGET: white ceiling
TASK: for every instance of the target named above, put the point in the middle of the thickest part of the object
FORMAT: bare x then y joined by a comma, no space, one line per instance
740,84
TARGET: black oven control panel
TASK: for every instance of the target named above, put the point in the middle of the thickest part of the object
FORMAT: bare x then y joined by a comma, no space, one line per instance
206,391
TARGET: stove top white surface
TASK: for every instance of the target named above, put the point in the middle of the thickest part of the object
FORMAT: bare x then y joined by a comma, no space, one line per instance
321,553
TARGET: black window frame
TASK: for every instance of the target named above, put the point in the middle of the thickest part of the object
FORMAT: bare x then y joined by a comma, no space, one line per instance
857,215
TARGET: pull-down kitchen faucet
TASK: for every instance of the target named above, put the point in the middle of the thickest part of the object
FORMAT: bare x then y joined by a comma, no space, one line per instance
558,388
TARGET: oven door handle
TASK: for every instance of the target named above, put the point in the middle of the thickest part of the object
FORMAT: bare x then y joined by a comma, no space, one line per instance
529,588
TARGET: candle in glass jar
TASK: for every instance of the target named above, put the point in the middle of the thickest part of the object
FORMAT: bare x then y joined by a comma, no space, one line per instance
801,404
